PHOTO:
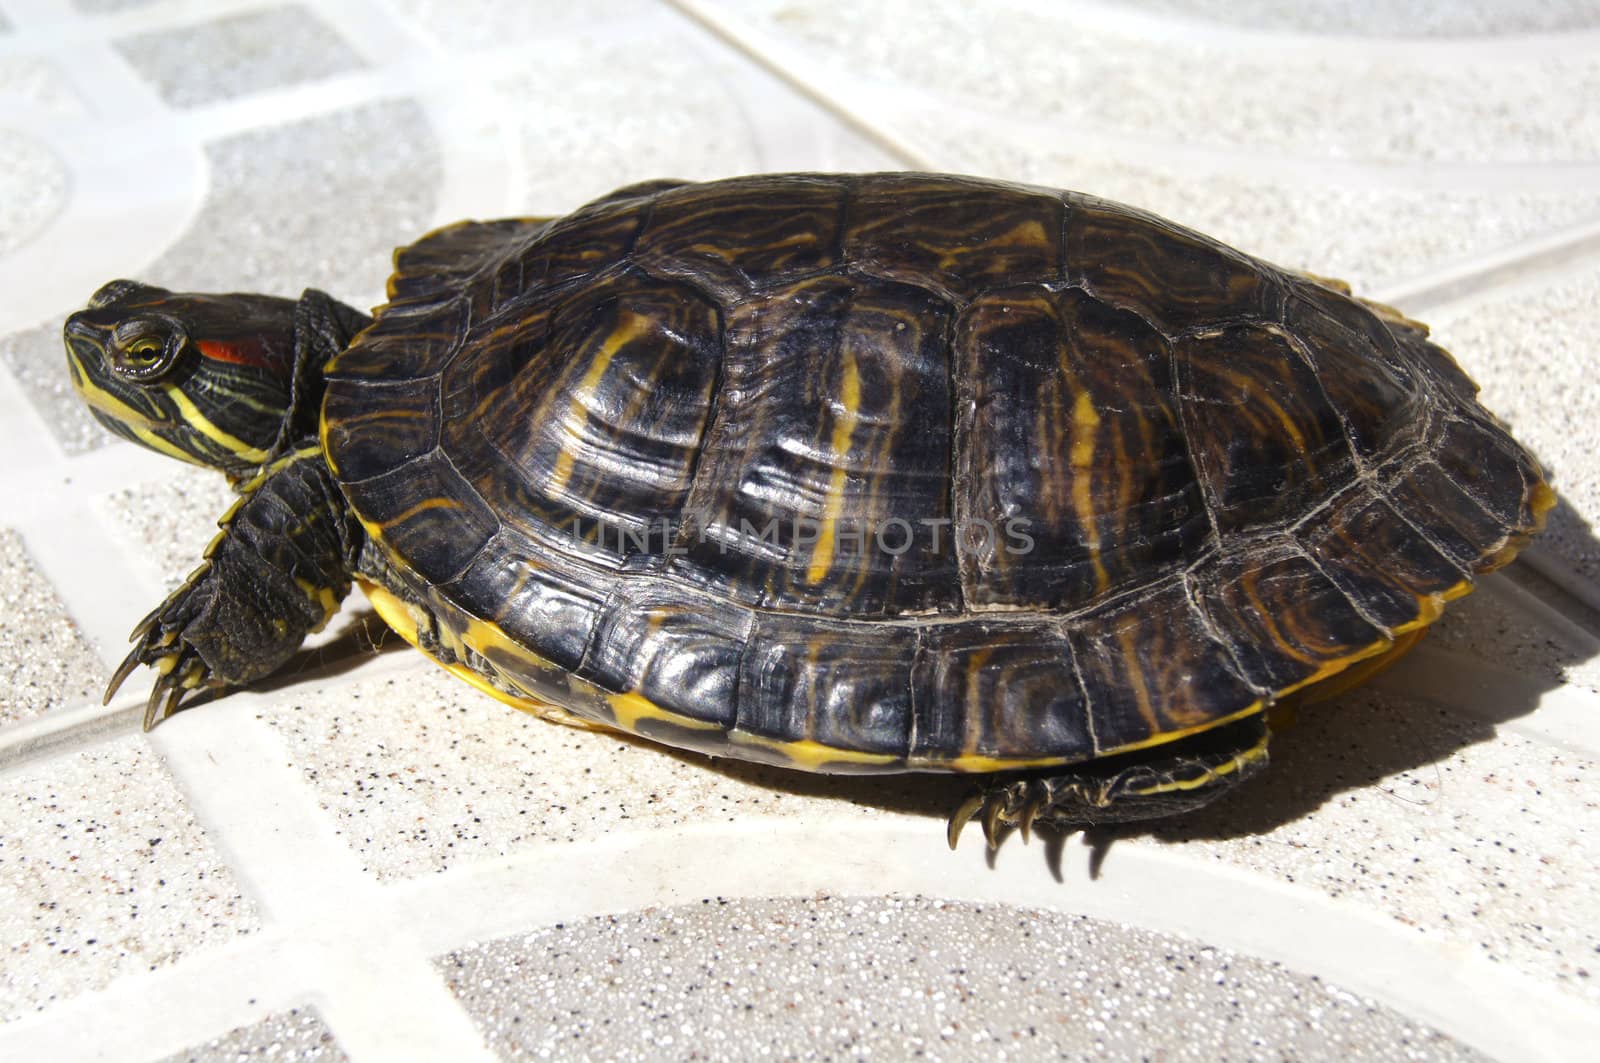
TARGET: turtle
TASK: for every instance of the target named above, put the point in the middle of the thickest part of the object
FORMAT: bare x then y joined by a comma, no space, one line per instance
871,473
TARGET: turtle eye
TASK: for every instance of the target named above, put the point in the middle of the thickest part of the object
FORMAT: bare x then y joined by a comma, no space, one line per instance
146,349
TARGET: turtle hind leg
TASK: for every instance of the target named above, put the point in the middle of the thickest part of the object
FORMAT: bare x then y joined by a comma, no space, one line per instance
1147,784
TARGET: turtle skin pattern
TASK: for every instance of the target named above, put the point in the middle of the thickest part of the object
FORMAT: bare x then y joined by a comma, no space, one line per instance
905,472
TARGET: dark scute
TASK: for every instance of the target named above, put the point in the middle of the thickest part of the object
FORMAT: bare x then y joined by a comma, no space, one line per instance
1265,444
583,243
376,425
543,601
1377,559
1379,405
1450,518
677,648
998,688
433,521
769,472
583,418
1172,276
1150,666
407,343
956,235
1489,466
733,235
1068,434
841,685
1281,616
443,259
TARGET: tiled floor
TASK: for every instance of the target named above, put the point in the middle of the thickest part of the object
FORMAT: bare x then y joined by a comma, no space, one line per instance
370,860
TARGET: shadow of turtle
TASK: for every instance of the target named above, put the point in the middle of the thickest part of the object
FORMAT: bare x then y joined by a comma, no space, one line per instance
1359,740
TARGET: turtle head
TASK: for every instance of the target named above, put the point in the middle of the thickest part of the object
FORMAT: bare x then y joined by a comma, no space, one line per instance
205,378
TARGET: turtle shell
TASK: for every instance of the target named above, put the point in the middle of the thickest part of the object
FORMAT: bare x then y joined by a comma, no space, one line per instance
905,472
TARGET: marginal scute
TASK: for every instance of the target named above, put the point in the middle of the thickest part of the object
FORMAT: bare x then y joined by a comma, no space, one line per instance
808,680
1283,620
1170,275
1497,474
1265,443
1151,669
1103,497
956,235
540,598
425,513
999,690
1377,559
1451,519
671,646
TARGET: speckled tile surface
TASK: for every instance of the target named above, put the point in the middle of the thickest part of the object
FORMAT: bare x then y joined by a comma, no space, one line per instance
170,521
298,1034
1479,839
238,55
33,188
847,978
1422,18
45,663
422,774
277,217
107,875
366,859
1075,69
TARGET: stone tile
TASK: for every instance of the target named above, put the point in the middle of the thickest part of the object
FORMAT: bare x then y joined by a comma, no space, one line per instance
316,203
31,84
308,204
1385,18
469,24
1425,815
584,131
33,189
1533,353
107,874
422,773
1065,70
171,521
36,360
45,662
238,55
836,977
297,1034
1367,235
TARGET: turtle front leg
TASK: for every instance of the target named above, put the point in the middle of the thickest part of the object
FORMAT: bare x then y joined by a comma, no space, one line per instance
1147,784
277,572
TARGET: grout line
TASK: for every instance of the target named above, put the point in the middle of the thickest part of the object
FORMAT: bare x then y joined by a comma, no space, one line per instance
1543,710
1496,1009
773,57
1540,259
375,986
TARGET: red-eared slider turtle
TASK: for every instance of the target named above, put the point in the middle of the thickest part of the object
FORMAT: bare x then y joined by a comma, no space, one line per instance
880,473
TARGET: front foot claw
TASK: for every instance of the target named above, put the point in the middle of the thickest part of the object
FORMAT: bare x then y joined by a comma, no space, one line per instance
159,642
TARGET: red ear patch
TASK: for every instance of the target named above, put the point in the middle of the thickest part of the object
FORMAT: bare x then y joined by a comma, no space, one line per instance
251,352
